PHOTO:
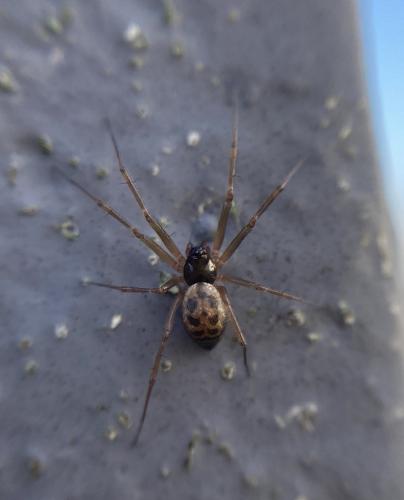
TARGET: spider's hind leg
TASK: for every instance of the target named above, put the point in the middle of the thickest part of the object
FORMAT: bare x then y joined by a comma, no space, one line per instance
223,293
156,365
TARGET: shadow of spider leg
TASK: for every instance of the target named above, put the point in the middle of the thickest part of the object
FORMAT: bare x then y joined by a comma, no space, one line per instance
156,226
168,328
225,297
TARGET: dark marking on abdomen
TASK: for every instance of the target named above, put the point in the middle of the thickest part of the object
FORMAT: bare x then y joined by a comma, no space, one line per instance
191,305
193,321
213,319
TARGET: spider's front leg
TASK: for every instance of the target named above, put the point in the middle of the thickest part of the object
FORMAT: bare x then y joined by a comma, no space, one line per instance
168,242
146,240
260,288
237,240
224,215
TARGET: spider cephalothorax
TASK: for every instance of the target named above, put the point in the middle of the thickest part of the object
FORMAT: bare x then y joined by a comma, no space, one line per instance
199,267
205,306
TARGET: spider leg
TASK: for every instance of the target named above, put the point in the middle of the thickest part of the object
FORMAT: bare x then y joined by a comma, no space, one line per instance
239,333
259,288
234,244
155,247
224,215
156,365
158,228
163,289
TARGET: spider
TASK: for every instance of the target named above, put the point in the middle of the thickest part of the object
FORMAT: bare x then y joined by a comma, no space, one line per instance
206,306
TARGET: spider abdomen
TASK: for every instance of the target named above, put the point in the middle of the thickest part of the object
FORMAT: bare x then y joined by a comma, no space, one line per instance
203,314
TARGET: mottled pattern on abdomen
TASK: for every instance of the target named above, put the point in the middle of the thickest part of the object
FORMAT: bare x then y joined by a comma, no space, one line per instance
203,314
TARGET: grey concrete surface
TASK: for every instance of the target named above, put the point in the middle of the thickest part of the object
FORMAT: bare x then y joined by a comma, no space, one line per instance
322,415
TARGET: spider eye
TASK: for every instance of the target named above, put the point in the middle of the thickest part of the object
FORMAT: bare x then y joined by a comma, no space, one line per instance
200,255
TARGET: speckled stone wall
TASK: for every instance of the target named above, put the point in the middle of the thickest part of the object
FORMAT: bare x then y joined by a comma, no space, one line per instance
322,415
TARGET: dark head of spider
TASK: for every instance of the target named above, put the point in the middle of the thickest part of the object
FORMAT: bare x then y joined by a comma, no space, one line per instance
199,266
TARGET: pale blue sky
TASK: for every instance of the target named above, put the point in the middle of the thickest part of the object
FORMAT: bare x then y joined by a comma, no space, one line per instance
383,34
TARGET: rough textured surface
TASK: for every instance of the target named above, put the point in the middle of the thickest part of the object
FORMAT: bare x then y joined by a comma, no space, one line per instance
322,415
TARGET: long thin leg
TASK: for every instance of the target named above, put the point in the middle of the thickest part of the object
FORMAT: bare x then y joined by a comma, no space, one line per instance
259,288
156,365
155,247
234,244
224,215
239,333
160,231
163,289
